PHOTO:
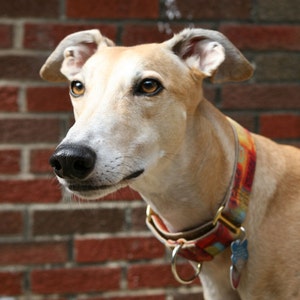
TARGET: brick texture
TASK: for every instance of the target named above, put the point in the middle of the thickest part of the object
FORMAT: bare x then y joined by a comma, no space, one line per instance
55,246
79,280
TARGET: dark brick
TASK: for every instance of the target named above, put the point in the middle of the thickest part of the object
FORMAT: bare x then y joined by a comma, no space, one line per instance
29,130
6,34
11,223
278,10
113,9
71,221
47,36
277,67
261,96
29,8
24,67
211,10
9,98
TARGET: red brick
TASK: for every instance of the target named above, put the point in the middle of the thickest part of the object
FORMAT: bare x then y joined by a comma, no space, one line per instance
123,194
47,36
33,253
261,96
48,99
113,9
213,9
268,37
155,276
11,223
6,33
9,99
11,283
29,191
72,221
39,161
29,130
29,8
138,216
21,67
10,161
133,248
280,126
76,280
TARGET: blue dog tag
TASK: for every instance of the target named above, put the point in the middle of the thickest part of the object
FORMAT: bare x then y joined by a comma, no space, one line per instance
239,258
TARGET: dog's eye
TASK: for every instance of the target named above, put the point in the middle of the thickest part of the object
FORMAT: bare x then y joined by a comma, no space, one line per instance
149,87
77,88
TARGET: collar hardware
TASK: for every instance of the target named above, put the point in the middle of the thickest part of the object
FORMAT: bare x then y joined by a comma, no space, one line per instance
220,217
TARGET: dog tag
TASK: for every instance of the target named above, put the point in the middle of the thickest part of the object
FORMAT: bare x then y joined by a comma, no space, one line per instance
239,258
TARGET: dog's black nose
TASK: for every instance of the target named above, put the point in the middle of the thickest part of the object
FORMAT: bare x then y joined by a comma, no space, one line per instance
71,161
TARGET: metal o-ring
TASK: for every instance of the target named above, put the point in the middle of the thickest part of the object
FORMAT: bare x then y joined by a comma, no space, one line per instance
174,268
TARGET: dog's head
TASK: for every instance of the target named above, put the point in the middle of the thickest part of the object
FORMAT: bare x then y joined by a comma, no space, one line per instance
132,104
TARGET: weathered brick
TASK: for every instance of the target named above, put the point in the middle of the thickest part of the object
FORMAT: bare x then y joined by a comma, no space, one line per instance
33,253
9,99
6,33
29,130
277,67
47,36
280,126
48,99
263,37
11,283
155,276
21,67
212,10
29,191
71,221
39,161
29,8
11,223
133,248
75,280
113,9
10,161
261,96
277,10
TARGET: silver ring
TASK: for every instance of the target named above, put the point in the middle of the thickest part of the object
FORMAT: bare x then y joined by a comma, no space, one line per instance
174,268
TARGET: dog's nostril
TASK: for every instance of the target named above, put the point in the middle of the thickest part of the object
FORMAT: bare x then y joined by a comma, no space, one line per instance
73,161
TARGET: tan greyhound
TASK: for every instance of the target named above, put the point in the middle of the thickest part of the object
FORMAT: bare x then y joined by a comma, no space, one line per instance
142,121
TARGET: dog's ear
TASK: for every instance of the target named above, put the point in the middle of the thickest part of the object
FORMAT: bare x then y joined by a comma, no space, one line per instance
71,54
212,53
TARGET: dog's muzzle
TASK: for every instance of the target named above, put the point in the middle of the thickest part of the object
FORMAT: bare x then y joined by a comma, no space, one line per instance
71,161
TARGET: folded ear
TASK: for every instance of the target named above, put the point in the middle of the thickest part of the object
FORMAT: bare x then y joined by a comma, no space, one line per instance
71,54
212,53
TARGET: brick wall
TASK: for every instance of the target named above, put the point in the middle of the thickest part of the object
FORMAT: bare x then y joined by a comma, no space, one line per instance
54,248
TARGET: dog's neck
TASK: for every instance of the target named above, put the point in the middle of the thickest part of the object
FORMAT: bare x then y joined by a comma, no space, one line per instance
189,191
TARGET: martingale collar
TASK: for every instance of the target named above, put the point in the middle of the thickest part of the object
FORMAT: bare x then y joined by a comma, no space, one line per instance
206,241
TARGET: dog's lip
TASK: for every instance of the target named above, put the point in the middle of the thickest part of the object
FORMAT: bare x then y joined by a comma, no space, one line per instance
89,186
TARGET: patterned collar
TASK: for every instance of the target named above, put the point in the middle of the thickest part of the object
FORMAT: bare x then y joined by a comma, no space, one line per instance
206,241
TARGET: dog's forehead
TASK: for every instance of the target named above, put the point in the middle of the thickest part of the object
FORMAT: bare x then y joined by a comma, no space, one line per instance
117,60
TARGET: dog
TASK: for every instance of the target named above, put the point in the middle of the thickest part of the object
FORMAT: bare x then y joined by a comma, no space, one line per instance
222,197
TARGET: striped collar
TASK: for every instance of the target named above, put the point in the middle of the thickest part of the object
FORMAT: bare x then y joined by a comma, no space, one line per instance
206,241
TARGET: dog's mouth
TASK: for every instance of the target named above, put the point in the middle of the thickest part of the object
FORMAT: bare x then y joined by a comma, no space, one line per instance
87,187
